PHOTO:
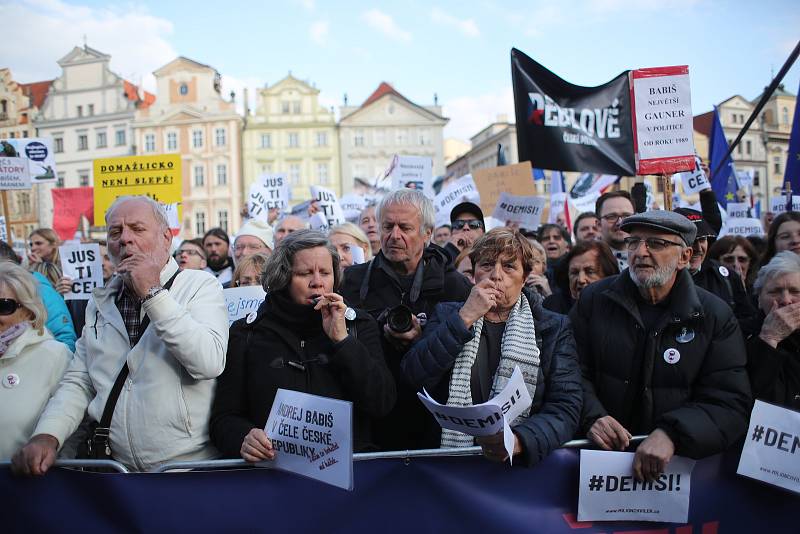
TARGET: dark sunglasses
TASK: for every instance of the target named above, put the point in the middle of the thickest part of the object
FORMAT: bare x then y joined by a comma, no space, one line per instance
9,306
474,224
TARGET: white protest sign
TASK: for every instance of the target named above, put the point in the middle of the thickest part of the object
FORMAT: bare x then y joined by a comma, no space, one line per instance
318,222
84,265
584,203
41,159
269,191
745,178
242,301
737,210
488,418
557,202
771,451
456,192
525,210
14,173
412,172
328,204
357,253
352,206
663,120
172,216
312,436
743,226
609,492
694,181
777,205
3,234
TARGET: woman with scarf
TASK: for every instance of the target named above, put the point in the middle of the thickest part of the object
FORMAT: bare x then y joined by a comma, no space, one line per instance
469,351
303,338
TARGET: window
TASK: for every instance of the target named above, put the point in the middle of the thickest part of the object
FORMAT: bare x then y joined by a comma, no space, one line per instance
102,142
80,111
172,141
756,178
222,174
222,217
296,108
199,176
12,135
83,178
119,137
322,138
284,107
294,140
785,115
197,138
322,173
199,223
739,149
424,137
219,136
358,138
83,141
58,145
183,89
776,168
733,118
294,173
60,180
25,202
748,147
402,136
91,109
24,132
266,141
149,143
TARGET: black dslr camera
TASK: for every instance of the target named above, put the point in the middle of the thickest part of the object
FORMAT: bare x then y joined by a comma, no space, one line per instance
399,318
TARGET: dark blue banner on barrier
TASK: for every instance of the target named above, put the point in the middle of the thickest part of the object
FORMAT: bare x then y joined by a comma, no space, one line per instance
466,494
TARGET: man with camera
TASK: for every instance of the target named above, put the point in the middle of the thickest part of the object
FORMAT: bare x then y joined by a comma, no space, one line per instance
400,288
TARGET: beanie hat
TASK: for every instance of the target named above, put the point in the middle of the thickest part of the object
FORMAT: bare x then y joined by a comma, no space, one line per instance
257,228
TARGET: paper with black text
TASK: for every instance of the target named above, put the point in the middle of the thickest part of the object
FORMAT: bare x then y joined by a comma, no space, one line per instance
83,264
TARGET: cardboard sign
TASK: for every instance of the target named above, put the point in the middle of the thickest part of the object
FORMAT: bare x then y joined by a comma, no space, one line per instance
312,436
14,174
608,491
158,177
777,205
39,153
458,191
269,191
241,301
771,450
737,210
513,179
412,172
694,181
352,206
527,211
328,204
84,265
662,120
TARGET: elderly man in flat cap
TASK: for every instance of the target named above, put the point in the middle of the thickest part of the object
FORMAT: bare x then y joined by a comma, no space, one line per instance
659,355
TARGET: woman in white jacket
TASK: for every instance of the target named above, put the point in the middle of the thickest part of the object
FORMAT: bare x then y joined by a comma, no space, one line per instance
31,361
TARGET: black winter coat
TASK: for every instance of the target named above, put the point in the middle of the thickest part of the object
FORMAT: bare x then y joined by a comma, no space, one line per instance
728,286
267,354
701,401
375,287
775,372
557,401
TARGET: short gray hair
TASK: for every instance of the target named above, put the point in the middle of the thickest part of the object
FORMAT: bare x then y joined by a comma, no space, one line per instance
159,212
414,198
26,289
278,270
782,263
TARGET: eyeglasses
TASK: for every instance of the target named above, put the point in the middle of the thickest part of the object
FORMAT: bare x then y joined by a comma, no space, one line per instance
240,247
614,217
188,251
473,224
9,306
653,244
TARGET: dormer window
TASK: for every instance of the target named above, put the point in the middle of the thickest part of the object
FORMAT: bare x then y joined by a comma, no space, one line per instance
183,89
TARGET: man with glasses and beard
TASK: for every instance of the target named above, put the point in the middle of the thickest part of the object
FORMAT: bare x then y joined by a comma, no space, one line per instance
217,245
611,209
659,355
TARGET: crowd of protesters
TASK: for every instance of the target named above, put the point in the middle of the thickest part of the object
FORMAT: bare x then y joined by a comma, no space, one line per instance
632,322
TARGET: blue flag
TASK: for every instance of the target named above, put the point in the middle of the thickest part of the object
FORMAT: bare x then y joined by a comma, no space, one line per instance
723,181
792,173
538,174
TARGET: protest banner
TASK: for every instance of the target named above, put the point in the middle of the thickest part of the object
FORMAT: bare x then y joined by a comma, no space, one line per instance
513,179
527,211
456,192
269,191
777,205
39,153
737,210
173,217
69,204
159,177
14,174
609,492
241,301
695,180
743,226
352,206
318,221
582,204
662,120
328,204
312,436
771,450
489,418
82,263
412,172
3,229
567,127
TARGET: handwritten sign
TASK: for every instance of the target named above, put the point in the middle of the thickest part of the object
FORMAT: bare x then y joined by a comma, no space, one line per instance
694,181
312,437
328,204
737,210
771,450
527,211
14,173
461,190
743,226
514,179
83,264
268,192
777,205
39,153
242,301
412,172
609,492
663,120
352,205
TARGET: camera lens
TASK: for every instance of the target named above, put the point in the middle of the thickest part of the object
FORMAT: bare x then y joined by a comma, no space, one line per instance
399,319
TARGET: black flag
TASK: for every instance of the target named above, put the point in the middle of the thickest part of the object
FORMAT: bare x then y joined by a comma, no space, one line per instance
567,127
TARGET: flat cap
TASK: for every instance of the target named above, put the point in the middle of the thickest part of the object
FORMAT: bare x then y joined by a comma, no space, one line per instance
662,221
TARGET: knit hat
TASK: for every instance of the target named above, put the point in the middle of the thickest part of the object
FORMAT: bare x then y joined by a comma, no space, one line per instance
257,228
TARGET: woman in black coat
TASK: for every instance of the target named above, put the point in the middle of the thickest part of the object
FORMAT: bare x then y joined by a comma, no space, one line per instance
303,338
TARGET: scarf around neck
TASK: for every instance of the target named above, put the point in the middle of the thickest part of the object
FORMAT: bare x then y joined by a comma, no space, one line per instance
10,334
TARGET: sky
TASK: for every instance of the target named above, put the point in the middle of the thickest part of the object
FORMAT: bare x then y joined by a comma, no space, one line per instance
458,50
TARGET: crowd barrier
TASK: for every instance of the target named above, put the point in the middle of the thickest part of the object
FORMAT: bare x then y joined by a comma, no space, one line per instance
405,491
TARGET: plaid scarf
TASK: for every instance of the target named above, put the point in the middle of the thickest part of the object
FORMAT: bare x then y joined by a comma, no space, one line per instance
130,308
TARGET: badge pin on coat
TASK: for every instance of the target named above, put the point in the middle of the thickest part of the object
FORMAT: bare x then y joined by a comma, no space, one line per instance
685,335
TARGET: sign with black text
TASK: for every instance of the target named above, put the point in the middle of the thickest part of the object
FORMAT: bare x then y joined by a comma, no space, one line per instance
352,205
777,205
242,301
737,210
742,226
83,264
269,191
525,210
14,174
456,192
696,180
328,205
411,172
40,156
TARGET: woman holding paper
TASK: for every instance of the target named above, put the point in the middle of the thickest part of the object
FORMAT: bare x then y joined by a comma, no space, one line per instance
303,338
348,238
469,351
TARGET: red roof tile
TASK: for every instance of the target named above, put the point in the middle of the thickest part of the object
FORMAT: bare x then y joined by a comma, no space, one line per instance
702,123
131,91
37,92
383,89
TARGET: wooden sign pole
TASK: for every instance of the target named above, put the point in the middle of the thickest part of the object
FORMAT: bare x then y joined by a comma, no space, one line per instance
7,216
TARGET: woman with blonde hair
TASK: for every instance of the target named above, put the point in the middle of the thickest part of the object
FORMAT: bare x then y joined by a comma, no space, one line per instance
345,237
31,361
43,244
249,271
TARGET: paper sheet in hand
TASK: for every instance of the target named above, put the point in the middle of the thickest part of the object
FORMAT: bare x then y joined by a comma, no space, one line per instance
82,263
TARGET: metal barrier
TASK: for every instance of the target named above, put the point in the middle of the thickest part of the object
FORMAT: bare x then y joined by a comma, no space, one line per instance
88,464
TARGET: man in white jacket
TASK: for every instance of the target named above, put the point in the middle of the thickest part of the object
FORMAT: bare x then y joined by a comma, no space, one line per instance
162,412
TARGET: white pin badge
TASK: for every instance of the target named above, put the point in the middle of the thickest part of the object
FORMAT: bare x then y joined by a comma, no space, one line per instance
349,314
685,335
723,270
251,317
11,380
672,356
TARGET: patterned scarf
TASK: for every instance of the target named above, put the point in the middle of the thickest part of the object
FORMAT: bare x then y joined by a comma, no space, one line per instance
10,334
516,350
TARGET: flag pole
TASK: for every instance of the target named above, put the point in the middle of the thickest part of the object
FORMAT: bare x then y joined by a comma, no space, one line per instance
666,186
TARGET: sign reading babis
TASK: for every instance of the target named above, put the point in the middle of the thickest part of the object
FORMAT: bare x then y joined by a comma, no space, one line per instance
569,127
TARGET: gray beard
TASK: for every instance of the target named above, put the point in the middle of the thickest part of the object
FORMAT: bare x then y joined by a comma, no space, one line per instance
659,278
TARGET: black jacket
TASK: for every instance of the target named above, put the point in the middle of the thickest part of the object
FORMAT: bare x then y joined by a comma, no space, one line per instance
728,286
258,364
556,405
775,373
375,287
701,401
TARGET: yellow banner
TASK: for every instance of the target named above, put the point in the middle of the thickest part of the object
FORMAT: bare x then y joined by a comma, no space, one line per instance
158,177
